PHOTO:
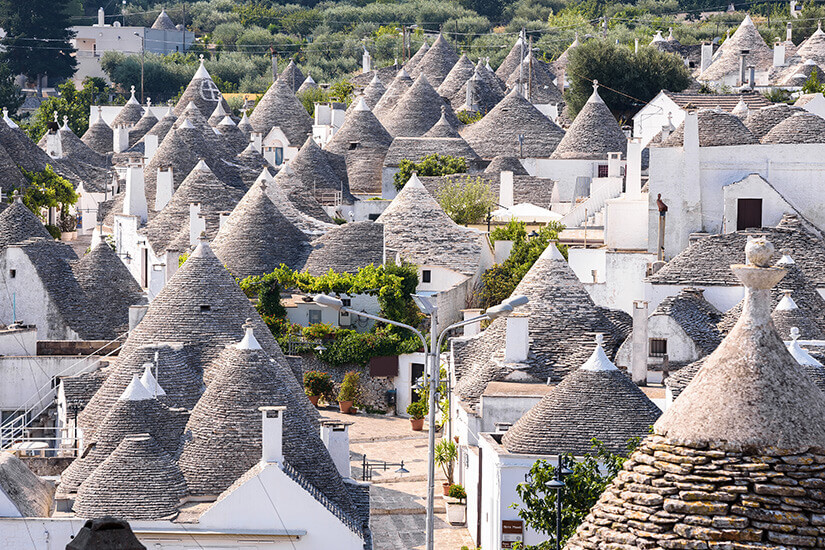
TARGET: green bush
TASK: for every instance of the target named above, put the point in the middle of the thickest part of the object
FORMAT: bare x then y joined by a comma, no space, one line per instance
319,331
431,165
466,200
417,410
469,117
349,387
319,383
457,492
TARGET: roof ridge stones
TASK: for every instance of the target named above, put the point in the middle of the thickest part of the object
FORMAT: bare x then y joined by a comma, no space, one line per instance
497,133
417,111
437,63
593,134
594,401
279,107
257,237
292,76
462,70
201,91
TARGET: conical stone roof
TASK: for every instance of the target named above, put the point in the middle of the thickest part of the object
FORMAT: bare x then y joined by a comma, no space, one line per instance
245,379
726,60
217,115
288,192
390,98
217,145
18,224
716,128
514,57
560,64
252,158
417,111
813,47
498,132
10,175
235,139
536,81
201,91
292,76
347,248
130,114
313,169
143,126
245,126
164,22
307,85
257,237
442,128
279,107
749,420
798,128
504,163
459,74
593,134
138,481
597,401
372,94
99,136
762,121
437,62
413,62
787,315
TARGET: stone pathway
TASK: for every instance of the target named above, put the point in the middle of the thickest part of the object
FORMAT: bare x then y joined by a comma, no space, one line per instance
398,502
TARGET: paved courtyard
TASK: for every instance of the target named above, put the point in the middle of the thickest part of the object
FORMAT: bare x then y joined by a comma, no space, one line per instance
398,502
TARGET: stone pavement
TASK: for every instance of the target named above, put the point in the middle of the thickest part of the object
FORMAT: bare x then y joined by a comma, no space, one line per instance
398,501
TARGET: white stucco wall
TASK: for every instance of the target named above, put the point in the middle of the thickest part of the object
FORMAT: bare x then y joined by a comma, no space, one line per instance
504,408
753,187
722,297
27,379
565,172
652,117
625,224
620,275
680,347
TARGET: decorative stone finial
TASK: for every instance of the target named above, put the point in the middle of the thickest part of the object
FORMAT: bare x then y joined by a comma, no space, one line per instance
201,58
443,110
758,252
249,341
202,237
65,120
599,339
55,117
595,84
598,361
132,89
794,334
16,196
148,101
799,353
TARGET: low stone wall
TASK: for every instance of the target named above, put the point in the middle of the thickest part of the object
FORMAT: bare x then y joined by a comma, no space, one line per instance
47,466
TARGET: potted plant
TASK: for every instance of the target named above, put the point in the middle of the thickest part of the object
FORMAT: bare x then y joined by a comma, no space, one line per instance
445,455
417,410
318,384
456,508
348,392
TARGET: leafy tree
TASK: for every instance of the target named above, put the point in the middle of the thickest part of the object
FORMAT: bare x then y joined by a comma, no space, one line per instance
72,103
37,42
635,77
10,95
812,84
582,489
467,200
342,91
431,165
501,280
309,98
46,190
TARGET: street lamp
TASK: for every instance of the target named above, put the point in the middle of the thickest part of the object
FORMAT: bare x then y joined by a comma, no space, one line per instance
557,486
427,306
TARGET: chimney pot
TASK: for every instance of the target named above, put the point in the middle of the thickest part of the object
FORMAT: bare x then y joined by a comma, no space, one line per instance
272,425
518,339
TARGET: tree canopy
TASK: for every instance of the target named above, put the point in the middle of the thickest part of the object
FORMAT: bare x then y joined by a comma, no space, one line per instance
72,103
38,37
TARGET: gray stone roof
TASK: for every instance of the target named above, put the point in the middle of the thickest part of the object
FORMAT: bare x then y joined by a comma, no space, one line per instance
130,114
363,143
417,228
279,107
813,47
292,76
486,92
385,74
798,128
538,79
288,192
526,188
437,62
28,493
218,146
251,158
257,237
413,62
79,389
417,111
389,99
307,85
761,121
416,148
726,59
514,57
10,175
74,149
697,317
507,163
790,315
347,248
201,91
560,63
601,403
315,172
563,321
200,186
497,133
245,126
99,136
24,152
726,102
139,480
372,94
702,263
593,134
18,223
236,140
716,128
164,22
246,379
458,75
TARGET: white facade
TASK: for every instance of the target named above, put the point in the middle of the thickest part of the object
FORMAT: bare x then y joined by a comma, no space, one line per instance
652,117
619,276
305,313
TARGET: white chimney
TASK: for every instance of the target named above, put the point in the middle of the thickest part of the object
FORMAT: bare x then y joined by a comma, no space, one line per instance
366,61
691,140
257,140
633,172
150,145
707,57
121,138
134,203
560,81
165,188
789,31
223,216
101,17
505,190
197,224
614,165
638,362
272,424
54,144
751,76
473,328
136,314
518,339
779,54
335,436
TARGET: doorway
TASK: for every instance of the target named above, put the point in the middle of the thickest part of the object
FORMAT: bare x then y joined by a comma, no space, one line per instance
416,372
748,214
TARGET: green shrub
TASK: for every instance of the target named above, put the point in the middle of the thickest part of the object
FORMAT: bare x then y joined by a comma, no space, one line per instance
469,117
53,230
417,410
457,492
319,331
319,383
467,200
431,165
349,387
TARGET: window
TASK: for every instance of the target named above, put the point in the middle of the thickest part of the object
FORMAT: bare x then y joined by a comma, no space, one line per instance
314,316
12,273
279,155
204,308
748,213
373,217
426,276
602,171
347,302
658,347
353,145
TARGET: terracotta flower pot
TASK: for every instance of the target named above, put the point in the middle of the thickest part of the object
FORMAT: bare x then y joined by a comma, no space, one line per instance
314,399
417,424
345,406
445,488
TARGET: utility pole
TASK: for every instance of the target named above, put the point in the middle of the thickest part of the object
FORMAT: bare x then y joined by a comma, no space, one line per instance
142,57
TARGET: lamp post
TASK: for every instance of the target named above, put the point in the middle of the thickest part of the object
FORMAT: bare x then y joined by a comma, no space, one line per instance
557,485
432,350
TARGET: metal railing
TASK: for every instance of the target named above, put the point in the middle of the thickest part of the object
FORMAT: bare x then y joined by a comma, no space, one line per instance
12,430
